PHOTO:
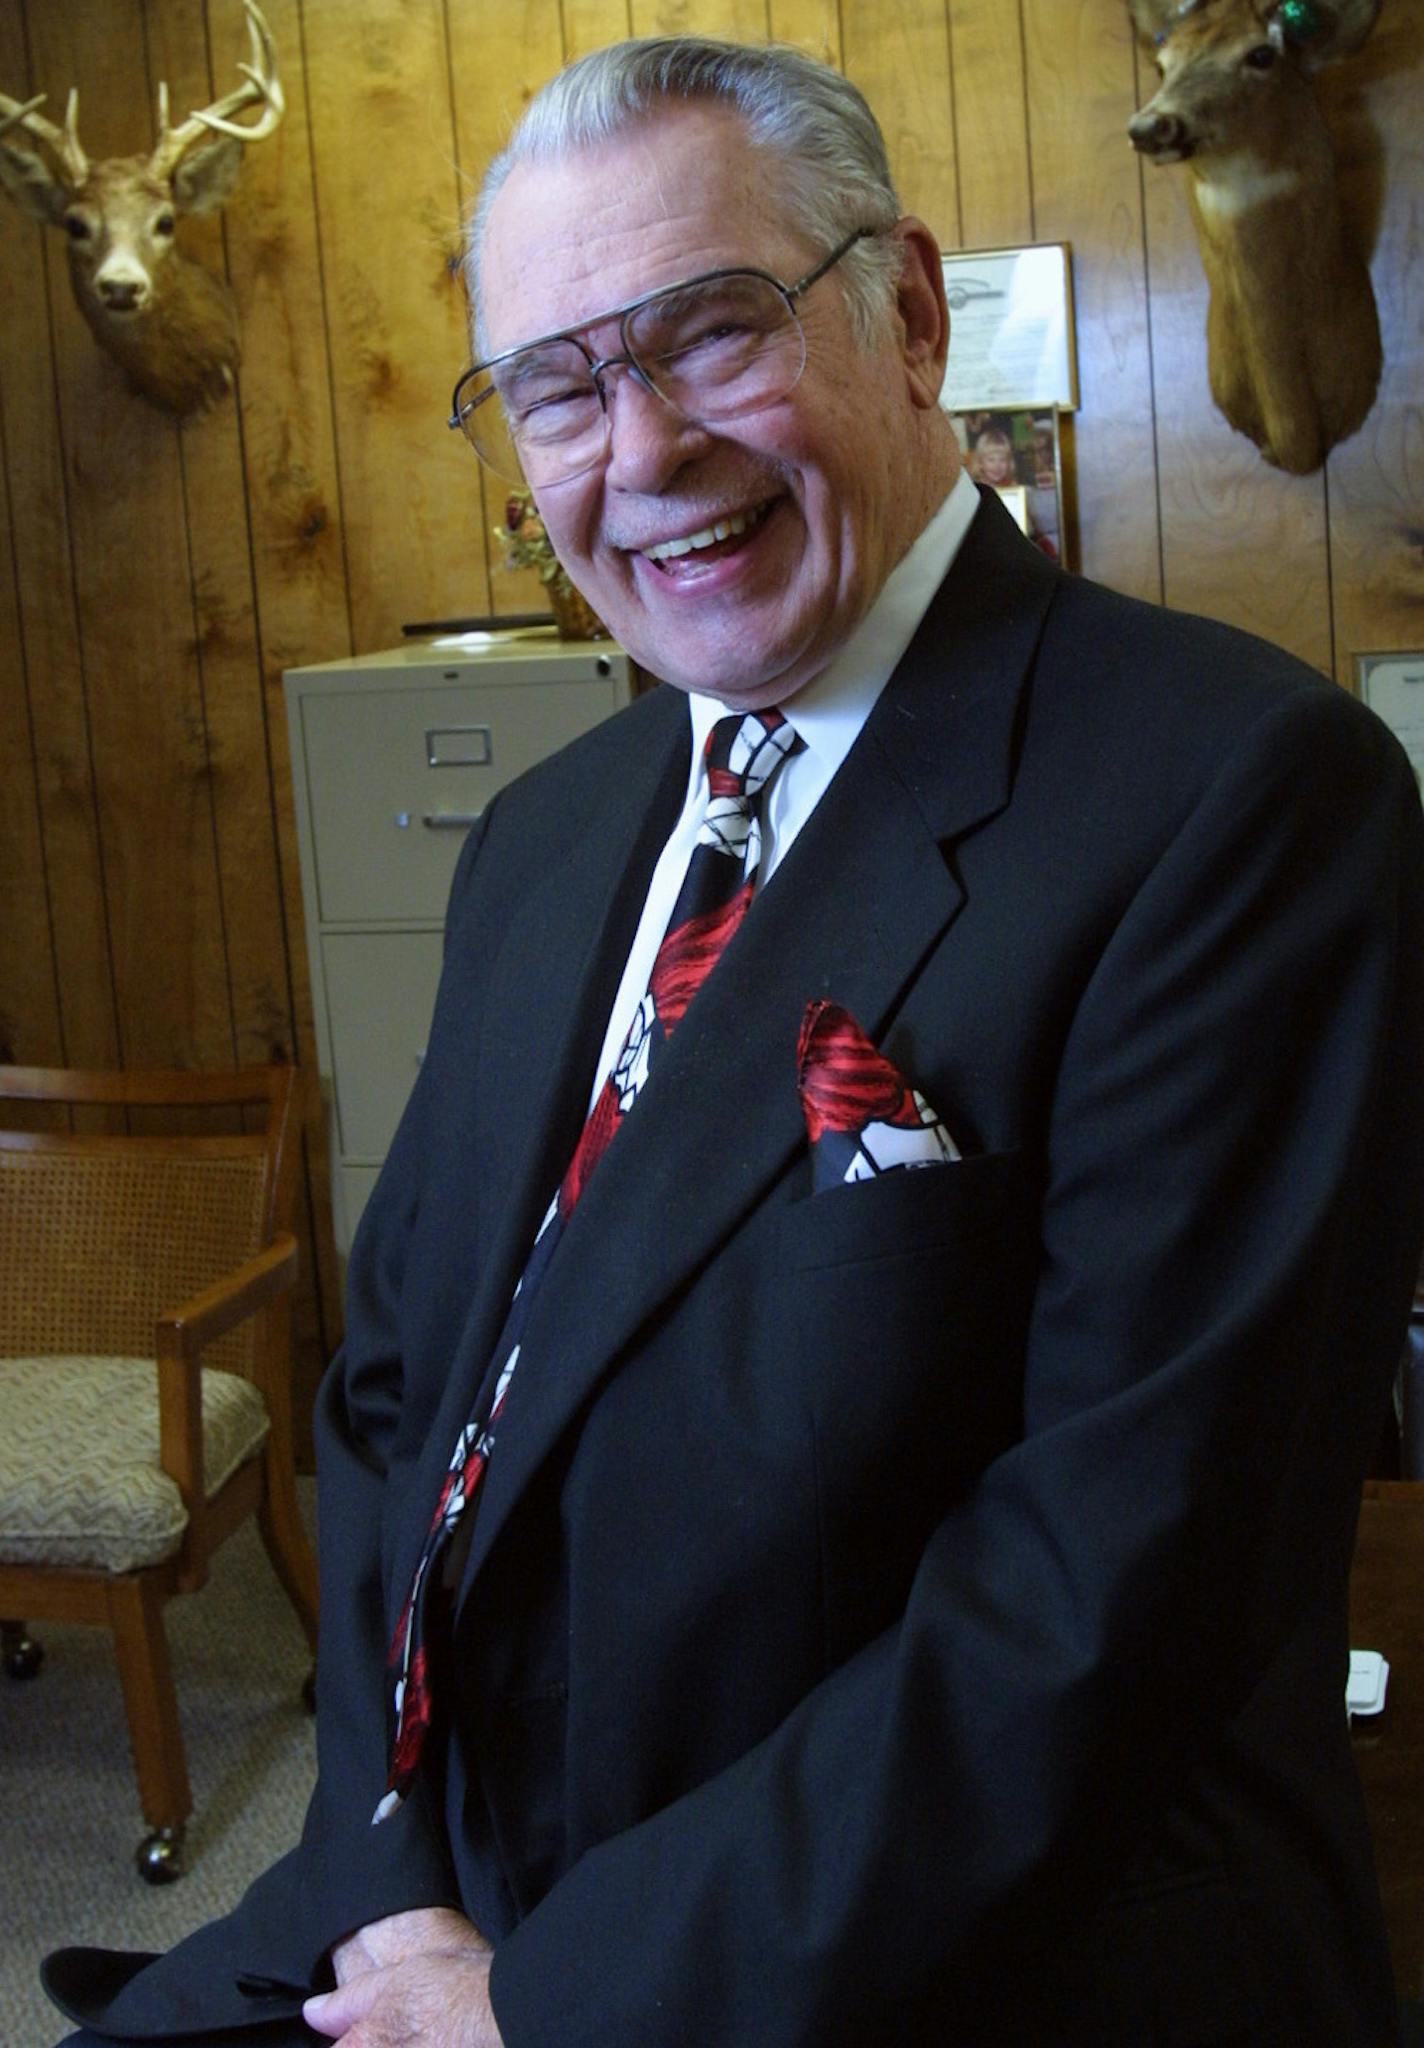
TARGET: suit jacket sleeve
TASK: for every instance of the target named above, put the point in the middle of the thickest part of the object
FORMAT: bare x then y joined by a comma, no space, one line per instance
257,1963
1229,1226
354,1872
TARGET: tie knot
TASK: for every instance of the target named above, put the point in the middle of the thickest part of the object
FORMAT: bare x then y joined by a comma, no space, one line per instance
745,750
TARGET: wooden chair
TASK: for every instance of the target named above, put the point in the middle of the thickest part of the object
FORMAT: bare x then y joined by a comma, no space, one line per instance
129,1252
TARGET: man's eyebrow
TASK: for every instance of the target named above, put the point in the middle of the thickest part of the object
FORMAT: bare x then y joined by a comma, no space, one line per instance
677,297
551,340
534,361
580,327
539,359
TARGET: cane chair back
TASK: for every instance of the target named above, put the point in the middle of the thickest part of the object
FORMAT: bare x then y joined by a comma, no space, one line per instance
99,1236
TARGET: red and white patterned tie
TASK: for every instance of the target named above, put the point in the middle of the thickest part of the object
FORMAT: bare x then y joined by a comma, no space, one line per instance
743,753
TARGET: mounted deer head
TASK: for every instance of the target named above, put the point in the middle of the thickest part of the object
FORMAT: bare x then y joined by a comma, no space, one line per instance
1293,342
170,323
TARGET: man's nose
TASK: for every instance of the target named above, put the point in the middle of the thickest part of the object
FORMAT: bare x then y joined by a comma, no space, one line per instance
648,439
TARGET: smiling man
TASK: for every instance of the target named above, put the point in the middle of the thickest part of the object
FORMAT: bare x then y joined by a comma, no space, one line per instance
822,490
837,1499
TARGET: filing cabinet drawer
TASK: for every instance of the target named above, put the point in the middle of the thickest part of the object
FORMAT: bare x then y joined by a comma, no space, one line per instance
395,777
352,1188
393,754
380,993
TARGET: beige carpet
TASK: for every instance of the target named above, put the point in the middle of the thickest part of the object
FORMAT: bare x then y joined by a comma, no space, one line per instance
69,1815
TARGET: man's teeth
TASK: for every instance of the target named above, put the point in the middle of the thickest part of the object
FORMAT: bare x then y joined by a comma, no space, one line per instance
663,550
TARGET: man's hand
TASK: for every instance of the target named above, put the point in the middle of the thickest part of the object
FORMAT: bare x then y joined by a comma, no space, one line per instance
430,1931
413,1980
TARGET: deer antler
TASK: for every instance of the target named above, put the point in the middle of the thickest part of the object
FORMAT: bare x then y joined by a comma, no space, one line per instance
1155,20
263,85
62,142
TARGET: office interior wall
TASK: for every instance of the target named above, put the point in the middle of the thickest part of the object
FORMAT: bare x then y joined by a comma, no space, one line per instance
159,578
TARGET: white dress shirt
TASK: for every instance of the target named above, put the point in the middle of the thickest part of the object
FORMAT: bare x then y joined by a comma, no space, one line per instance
828,713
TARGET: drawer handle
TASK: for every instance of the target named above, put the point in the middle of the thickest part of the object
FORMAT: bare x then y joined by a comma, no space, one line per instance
459,746
451,821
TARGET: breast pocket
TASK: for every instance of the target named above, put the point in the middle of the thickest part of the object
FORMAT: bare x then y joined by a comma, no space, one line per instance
941,1207
905,1301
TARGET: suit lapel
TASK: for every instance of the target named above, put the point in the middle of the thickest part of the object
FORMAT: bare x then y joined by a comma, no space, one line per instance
550,984
853,911
557,976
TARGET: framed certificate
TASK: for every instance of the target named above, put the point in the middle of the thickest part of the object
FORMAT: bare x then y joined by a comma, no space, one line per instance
1011,339
1392,684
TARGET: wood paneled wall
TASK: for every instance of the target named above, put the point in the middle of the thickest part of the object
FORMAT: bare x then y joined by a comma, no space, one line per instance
161,578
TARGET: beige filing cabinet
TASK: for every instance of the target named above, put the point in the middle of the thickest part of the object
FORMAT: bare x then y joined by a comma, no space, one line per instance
393,756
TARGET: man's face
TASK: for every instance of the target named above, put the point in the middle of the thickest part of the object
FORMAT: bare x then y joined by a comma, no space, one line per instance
814,486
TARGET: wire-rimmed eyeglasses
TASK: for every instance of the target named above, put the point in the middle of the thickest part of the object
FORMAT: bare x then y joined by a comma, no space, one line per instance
713,348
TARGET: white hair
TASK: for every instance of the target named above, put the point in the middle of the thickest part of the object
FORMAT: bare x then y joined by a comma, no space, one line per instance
832,153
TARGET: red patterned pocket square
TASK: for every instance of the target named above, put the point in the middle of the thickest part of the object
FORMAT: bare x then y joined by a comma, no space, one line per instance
862,1116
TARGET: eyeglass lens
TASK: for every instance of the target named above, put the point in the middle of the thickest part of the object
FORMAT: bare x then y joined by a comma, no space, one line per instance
713,350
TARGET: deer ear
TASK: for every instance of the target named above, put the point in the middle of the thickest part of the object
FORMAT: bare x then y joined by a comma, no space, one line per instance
31,185
206,176
1319,31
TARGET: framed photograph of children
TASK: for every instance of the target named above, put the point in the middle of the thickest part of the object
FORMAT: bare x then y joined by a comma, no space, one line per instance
1017,453
1392,684
1011,338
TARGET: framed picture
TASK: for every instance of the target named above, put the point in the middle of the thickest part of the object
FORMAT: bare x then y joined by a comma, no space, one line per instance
1392,684
1017,453
1011,338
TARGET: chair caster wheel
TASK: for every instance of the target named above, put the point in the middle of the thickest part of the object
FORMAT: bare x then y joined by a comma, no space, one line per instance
159,1856
21,1655
309,1691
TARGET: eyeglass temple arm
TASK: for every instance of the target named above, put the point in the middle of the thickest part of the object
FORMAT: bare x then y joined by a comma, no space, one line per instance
795,291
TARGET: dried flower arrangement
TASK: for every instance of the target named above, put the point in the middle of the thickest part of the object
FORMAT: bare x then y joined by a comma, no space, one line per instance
526,544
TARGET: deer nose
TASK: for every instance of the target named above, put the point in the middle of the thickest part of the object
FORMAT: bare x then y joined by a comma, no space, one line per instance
120,295
1154,134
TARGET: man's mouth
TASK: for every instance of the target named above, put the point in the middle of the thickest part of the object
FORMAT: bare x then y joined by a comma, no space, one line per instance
720,538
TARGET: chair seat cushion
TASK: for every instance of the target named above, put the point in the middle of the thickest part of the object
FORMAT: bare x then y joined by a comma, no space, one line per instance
80,1480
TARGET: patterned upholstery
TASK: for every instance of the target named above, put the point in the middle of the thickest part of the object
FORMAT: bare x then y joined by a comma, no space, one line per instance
80,1480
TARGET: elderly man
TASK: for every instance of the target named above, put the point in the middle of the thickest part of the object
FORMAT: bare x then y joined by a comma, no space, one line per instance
859,1555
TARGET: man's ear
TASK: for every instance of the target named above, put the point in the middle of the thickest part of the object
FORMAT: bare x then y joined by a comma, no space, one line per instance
924,315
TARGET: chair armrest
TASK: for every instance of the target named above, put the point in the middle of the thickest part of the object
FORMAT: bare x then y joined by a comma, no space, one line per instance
182,1332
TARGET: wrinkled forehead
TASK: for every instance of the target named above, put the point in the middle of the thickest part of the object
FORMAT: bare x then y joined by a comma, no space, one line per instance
681,192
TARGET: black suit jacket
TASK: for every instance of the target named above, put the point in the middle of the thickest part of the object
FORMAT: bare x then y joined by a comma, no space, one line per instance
913,1612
